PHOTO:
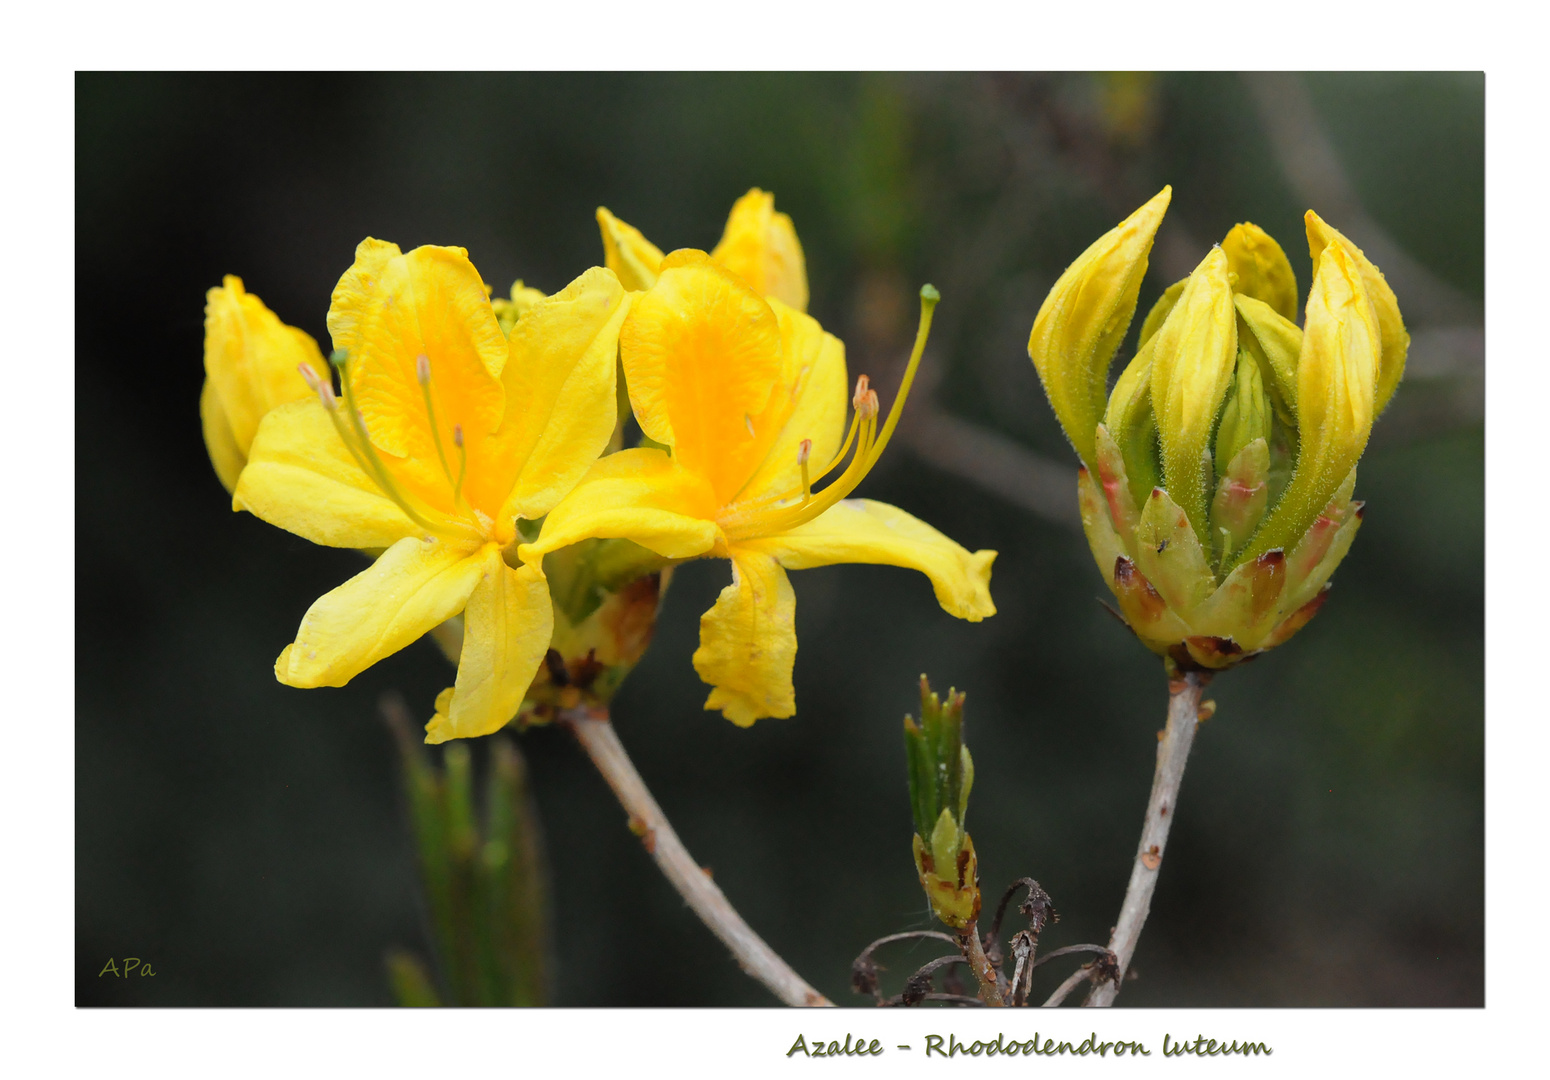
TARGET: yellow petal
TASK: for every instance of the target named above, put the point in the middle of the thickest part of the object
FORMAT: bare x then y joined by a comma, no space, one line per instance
627,253
748,642
1084,318
413,587
1193,354
560,396
1336,388
1395,340
251,358
641,495
430,302
863,531
810,403
225,454
507,626
1262,268
702,355
354,295
761,247
302,478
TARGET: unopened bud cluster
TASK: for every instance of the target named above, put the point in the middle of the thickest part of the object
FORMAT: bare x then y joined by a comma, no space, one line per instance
1217,475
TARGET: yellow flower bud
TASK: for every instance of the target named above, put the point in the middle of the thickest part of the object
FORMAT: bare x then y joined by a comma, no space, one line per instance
1336,390
1274,342
509,312
1262,268
760,246
627,253
1395,339
1085,317
1193,354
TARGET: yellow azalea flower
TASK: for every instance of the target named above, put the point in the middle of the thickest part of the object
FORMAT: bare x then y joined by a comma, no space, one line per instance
758,245
750,395
447,435
252,363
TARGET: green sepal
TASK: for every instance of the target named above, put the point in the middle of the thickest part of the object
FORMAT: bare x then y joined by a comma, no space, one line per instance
1169,554
1244,608
1319,550
1119,493
1102,539
1145,611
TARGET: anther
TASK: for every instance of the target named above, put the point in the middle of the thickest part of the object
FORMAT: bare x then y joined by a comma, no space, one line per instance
457,436
422,369
866,404
863,386
324,390
749,421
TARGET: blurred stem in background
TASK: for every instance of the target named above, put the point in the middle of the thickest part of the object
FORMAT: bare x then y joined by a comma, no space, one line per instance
486,884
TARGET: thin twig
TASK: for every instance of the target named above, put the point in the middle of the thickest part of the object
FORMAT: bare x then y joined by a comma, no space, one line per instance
1063,991
1172,754
863,970
596,734
1070,950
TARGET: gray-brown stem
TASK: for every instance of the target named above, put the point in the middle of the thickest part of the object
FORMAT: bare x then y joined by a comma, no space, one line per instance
595,732
1172,753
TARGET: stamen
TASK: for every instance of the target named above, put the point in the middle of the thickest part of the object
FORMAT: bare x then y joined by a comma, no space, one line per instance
805,448
869,446
324,390
749,421
462,461
422,372
366,454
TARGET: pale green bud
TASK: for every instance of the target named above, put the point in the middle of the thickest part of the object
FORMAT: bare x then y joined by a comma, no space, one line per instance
1245,413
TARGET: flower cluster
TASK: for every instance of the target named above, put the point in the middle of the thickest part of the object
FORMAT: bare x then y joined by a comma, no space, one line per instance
1217,474
469,446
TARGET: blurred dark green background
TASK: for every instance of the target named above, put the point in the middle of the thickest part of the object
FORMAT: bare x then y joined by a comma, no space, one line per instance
249,840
